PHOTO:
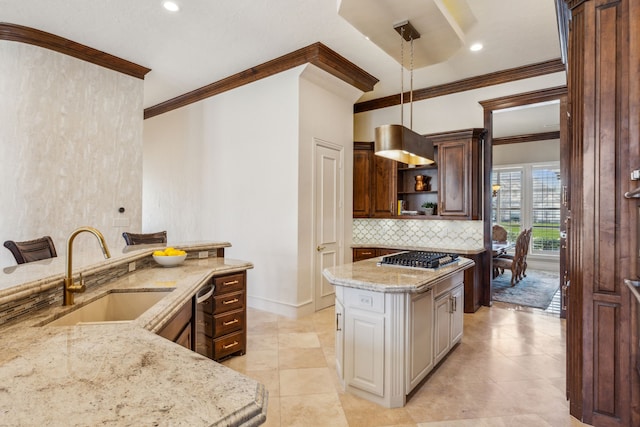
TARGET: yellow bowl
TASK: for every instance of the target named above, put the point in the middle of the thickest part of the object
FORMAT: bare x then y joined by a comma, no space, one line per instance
169,261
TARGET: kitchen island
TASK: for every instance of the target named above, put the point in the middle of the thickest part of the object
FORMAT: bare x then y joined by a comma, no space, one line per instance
394,324
117,373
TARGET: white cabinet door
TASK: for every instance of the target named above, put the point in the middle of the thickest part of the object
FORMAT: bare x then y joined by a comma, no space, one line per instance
420,324
339,339
457,315
442,327
364,351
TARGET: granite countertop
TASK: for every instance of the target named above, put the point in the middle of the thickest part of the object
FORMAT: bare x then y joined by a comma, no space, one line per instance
461,251
123,373
368,275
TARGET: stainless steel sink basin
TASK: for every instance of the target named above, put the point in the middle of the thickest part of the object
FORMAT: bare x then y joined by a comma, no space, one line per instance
112,307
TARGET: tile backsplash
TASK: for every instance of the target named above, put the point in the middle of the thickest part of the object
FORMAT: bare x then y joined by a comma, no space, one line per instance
443,234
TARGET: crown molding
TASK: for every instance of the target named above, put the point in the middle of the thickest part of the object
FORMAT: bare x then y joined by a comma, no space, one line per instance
533,137
316,54
19,33
491,79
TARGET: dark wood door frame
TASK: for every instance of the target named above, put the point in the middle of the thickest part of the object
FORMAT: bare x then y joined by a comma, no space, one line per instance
489,106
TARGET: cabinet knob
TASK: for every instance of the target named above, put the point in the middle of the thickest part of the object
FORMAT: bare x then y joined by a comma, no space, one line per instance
320,248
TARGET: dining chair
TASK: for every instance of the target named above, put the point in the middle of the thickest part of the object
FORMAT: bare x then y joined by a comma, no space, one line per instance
32,250
499,233
144,238
515,263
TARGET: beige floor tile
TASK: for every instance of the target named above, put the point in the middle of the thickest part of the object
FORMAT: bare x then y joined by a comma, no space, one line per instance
257,360
295,382
302,358
262,342
270,378
362,413
273,413
294,340
318,410
508,421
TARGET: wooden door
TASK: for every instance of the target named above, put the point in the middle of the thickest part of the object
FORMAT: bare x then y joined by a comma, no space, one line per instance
565,204
328,186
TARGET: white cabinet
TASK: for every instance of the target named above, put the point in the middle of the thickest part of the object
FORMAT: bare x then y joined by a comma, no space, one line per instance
448,320
388,342
420,329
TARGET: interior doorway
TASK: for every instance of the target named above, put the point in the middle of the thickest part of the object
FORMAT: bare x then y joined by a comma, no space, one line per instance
525,185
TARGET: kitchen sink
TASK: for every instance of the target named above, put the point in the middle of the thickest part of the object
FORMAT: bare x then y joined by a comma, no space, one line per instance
112,307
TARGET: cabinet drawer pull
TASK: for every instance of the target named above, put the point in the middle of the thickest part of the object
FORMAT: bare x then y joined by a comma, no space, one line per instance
233,344
233,282
367,253
231,301
230,322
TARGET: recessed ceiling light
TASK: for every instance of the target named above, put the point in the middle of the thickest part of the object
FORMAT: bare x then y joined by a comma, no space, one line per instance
171,6
476,47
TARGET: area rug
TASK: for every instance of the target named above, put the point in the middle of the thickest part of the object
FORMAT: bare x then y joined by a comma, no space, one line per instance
535,290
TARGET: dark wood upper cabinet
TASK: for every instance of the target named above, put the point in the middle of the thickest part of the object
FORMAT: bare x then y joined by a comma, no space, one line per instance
459,180
362,166
455,182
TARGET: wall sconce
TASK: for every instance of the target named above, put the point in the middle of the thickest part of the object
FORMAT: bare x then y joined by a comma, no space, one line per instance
495,188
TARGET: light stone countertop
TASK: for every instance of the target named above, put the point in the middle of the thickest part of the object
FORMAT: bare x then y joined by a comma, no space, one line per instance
369,276
123,374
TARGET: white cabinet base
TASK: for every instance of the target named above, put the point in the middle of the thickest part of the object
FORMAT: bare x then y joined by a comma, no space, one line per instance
386,343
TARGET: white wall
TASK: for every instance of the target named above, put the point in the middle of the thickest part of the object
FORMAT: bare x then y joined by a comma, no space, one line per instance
70,148
527,152
248,158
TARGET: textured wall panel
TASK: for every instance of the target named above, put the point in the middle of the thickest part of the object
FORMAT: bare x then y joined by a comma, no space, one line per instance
70,148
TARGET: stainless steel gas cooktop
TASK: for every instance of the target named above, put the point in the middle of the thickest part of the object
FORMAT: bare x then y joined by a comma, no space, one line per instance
419,259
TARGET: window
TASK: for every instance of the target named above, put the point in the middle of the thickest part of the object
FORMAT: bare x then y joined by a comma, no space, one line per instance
529,196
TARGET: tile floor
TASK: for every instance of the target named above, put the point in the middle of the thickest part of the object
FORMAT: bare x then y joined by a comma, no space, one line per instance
509,370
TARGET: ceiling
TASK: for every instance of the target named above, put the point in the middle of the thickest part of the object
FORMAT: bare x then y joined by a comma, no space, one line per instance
207,40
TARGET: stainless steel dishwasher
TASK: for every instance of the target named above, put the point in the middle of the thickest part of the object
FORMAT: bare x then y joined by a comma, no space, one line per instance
203,343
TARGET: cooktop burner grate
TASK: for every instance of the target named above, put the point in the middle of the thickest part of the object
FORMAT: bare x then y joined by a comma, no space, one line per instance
420,259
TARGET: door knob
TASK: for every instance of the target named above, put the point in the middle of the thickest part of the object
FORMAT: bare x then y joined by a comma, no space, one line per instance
320,248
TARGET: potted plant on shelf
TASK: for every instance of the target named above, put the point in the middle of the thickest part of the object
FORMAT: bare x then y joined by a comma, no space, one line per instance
429,208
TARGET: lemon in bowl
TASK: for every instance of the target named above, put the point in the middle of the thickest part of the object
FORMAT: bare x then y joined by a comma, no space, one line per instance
170,257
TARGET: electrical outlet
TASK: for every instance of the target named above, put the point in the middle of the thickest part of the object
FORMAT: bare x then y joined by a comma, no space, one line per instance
132,266
203,254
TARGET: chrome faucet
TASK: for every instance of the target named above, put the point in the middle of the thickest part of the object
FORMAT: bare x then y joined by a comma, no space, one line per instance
69,287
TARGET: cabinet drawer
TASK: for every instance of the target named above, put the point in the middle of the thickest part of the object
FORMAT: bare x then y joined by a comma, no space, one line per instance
228,302
363,253
228,344
228,322
230,283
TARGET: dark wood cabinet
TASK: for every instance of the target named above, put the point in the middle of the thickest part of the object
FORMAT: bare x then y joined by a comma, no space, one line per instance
179,328
229,317
374,182
459,173
454,183
604,97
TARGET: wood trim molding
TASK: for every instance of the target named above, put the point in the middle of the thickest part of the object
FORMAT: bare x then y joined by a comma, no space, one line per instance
316,54
532,137
491,79
19,33
524,98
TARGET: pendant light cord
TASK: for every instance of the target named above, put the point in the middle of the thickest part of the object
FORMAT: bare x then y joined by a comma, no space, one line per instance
402,76
411,89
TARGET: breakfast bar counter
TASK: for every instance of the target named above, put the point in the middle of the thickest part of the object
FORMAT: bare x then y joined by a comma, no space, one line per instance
120,373
394,325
